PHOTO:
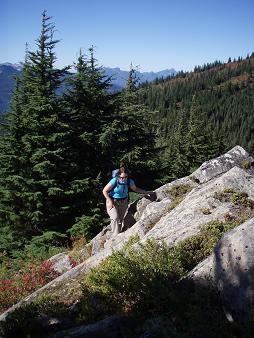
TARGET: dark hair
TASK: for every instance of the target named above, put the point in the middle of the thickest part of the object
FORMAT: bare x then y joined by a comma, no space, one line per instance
124,170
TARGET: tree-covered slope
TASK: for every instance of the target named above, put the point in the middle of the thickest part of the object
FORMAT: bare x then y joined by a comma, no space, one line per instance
226,95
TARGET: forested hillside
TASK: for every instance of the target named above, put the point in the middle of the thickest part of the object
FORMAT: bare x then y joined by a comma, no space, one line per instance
219,96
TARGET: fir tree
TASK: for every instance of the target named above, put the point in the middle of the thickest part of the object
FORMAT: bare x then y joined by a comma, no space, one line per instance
128,138
33,170
198,142
86,102
181,165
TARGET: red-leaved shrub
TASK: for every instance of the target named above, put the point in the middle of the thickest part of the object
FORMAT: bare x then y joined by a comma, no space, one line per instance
25,282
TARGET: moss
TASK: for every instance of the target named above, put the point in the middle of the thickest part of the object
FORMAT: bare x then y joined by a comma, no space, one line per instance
228,191
228,217
206,211
224,195
242,199
246,164
243,205
178,192
196,248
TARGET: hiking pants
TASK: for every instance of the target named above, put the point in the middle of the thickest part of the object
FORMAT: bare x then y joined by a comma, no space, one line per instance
116,215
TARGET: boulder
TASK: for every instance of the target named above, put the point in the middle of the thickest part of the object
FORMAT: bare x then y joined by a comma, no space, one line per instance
215,167
61,262
231,270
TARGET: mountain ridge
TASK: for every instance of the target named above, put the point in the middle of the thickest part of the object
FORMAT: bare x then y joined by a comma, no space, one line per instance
119,79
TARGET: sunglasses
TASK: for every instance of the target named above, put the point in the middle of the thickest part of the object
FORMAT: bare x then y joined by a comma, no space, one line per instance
123,177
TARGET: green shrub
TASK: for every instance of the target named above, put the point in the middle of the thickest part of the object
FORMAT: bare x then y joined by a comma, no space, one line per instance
196,248
133,197
44,246
143,279
87,226
9,242
131,280
48,239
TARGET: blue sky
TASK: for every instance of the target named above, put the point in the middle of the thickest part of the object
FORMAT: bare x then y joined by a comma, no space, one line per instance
155,34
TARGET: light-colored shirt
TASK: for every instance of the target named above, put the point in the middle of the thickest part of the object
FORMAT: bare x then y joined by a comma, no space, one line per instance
120,189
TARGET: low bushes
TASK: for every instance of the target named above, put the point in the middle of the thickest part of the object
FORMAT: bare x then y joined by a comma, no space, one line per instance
143,280
25,281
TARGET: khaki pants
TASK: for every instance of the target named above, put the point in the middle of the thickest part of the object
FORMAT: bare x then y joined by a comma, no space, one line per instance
116,215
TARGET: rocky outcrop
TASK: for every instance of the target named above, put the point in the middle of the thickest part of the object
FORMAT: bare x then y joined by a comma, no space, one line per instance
234,157
169,218
231,270
185,219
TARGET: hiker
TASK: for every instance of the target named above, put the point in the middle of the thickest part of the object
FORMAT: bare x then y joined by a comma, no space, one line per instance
116,194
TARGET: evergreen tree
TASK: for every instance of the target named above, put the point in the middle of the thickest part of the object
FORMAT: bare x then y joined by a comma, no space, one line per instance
86,102
128,139
181,164
198,141
33,152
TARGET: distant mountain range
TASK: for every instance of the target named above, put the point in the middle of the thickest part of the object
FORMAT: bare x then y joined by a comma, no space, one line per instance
8,71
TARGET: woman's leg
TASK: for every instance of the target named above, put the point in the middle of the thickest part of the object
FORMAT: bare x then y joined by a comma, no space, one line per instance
114,219
122,207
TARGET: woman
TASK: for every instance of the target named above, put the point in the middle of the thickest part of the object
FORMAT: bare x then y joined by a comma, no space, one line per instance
116,194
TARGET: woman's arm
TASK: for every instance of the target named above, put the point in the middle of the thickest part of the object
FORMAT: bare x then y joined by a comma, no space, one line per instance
105,192
139,190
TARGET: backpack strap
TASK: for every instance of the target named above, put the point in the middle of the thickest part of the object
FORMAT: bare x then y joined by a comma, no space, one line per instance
128,182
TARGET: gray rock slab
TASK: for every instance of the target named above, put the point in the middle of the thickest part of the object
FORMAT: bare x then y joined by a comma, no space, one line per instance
231,269
215,167
185,219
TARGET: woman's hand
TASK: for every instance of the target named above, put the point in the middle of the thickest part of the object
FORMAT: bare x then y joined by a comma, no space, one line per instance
151,195
110,204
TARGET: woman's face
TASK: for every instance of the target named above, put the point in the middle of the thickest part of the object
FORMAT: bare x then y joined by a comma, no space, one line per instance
123,177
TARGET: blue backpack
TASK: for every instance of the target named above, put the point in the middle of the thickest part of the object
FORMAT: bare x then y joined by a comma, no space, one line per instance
115,173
